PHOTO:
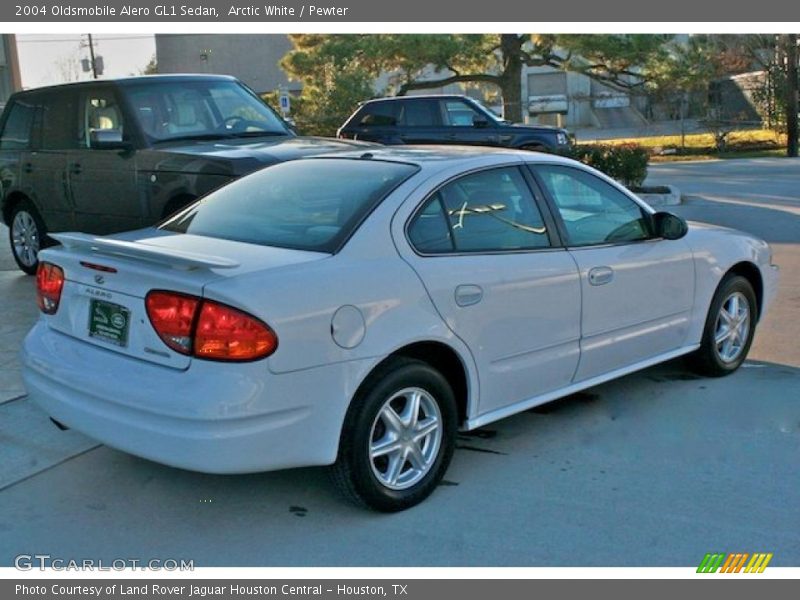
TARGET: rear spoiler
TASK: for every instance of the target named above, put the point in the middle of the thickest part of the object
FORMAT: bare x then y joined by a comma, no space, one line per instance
176,259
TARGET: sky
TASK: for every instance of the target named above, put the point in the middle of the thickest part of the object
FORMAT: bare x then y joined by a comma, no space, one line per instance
55,58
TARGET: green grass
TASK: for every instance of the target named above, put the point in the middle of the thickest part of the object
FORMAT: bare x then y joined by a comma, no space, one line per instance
747,143
703,140
771,153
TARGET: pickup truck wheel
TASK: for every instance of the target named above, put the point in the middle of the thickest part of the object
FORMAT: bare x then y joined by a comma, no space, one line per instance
27,235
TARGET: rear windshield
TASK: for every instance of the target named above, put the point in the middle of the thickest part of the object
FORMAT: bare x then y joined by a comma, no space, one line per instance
307,204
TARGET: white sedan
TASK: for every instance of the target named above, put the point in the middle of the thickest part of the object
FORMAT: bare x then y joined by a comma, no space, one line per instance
360,309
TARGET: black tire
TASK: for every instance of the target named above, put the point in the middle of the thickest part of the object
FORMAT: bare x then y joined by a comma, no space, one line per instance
34,236
710,359
357,475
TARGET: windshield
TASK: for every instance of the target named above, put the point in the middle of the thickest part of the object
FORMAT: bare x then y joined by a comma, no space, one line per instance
307,204
168,110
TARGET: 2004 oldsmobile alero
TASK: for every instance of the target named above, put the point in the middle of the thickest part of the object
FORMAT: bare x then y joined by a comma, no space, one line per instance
358,309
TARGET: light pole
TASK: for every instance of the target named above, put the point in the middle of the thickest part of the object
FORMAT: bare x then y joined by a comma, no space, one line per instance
92,59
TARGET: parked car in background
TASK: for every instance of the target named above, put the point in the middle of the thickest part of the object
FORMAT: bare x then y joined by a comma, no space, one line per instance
108,156
446,119
358,309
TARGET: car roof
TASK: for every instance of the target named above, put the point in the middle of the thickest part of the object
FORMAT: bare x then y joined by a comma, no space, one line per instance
417,97
133,79
434,158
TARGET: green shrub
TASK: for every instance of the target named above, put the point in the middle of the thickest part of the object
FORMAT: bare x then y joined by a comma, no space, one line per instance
627,163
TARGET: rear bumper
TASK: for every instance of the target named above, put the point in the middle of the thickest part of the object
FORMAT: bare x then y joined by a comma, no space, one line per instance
212,417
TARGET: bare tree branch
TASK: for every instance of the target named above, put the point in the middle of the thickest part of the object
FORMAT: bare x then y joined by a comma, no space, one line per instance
434,83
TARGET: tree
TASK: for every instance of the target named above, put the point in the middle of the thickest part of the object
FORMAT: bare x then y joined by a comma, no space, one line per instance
68,67
417,62
790,42
776,56
151,68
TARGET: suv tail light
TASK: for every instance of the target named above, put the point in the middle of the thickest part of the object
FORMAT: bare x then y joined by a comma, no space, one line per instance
208,329
49,283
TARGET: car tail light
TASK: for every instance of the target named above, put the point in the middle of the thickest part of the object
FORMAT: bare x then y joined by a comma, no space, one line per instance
224,333
49,283
172,316
208,329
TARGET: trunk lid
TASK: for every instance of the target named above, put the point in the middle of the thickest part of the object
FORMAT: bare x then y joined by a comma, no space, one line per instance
108,278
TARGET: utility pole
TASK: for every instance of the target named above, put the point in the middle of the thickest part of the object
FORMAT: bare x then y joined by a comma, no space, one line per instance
791,94
92,58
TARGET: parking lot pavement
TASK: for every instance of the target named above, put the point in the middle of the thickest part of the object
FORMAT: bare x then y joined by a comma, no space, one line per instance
657,468
17,313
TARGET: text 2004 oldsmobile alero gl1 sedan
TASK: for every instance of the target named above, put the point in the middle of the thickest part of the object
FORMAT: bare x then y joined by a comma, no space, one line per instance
358,310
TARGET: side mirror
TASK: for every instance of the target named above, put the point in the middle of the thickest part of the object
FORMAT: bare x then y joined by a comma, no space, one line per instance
107,139
480,122
669,226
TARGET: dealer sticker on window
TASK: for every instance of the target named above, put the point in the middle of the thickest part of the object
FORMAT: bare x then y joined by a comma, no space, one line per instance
109,322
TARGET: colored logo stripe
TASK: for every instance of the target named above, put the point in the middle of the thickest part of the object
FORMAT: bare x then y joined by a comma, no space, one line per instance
711,563
758,563
734,562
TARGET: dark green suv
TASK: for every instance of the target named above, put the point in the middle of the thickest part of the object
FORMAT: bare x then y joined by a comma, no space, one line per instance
108,156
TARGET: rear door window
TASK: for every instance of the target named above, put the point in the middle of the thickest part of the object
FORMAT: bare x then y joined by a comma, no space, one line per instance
420,113
488,211
56,121
378,114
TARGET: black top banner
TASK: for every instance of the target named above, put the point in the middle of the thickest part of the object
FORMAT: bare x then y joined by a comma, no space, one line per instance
461,11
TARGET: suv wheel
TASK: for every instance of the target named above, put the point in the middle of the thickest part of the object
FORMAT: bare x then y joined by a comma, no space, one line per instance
27,235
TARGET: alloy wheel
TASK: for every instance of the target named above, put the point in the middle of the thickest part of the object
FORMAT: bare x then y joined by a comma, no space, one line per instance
25,238
405,438
732,327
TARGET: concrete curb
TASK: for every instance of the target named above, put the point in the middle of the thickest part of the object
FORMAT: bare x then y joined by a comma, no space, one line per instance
656,200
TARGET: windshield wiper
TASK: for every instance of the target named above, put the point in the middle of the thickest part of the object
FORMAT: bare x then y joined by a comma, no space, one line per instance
195,136
241,134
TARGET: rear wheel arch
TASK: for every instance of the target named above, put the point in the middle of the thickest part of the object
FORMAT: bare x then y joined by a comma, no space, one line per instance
11,201
439,356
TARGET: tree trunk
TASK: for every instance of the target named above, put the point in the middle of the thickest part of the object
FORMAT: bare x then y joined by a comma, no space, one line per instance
791,94
511,77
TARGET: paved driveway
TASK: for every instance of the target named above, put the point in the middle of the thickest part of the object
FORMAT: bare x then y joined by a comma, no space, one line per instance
657,468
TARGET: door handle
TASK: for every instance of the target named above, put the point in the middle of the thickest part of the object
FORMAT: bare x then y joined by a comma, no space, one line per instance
601,275
467,295
75,168
28,167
